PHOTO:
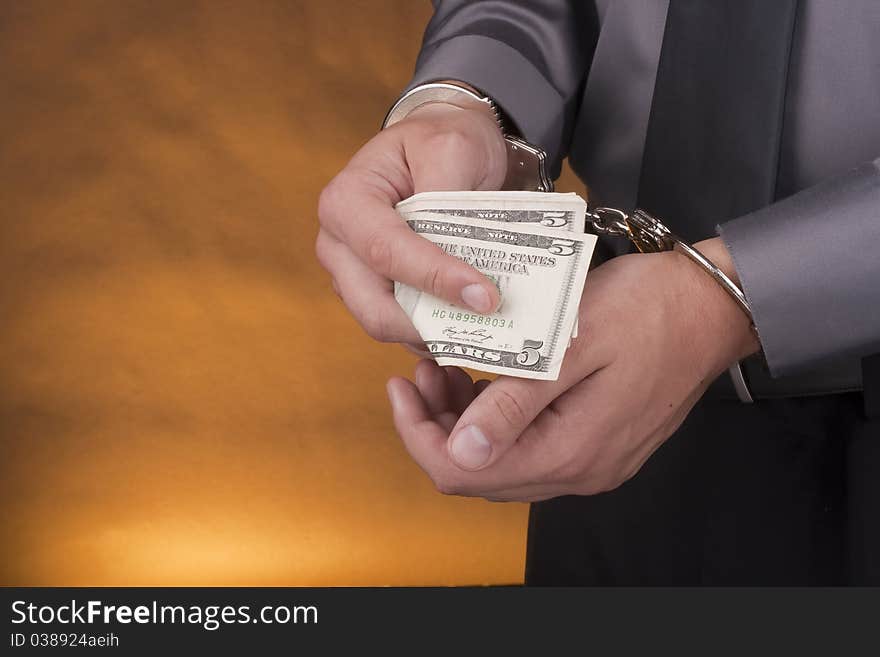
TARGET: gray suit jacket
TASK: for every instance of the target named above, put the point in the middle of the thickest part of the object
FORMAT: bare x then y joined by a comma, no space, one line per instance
578,78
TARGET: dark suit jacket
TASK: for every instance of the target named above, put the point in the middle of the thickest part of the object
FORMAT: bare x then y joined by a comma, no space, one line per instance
758,120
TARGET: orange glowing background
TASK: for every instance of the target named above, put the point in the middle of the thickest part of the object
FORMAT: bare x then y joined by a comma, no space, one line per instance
183,400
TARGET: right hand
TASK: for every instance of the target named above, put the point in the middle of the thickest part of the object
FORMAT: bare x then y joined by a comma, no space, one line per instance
365,245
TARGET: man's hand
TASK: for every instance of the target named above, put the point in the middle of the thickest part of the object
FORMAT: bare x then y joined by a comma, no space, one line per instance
655,330
364,243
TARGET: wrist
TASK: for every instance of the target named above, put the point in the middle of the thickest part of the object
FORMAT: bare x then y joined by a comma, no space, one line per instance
733,329
452,92
715,250
468,119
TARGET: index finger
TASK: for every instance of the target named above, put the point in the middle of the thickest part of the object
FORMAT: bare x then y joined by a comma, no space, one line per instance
358,211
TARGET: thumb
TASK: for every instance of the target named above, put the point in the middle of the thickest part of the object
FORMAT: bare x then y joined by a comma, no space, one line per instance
495,419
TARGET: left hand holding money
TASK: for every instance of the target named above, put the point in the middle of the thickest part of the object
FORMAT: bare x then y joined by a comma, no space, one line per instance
655,331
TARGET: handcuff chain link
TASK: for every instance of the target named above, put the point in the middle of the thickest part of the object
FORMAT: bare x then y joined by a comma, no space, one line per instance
609,221
647,233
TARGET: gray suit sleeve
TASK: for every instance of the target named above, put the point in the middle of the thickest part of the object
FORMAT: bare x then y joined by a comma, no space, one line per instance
810,267
530,56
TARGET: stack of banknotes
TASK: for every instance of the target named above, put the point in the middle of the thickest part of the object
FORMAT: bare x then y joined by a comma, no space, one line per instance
532,245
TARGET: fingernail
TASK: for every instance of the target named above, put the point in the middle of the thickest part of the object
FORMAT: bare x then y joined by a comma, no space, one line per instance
470,448
476,297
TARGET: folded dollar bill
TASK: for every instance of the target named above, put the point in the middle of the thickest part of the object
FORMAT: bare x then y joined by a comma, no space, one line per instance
533,247
565,211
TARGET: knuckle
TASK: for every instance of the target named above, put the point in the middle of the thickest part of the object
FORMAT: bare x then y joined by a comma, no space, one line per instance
330,198
380,253
322,253
432,282
375,324
381,324
510,407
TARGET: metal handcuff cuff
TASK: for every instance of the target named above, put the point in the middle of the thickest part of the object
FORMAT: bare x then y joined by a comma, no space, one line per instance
526,170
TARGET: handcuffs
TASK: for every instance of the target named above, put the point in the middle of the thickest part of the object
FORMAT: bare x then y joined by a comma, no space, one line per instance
527,170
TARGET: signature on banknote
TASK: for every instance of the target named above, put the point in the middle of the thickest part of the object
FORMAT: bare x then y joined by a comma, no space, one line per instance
479,336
